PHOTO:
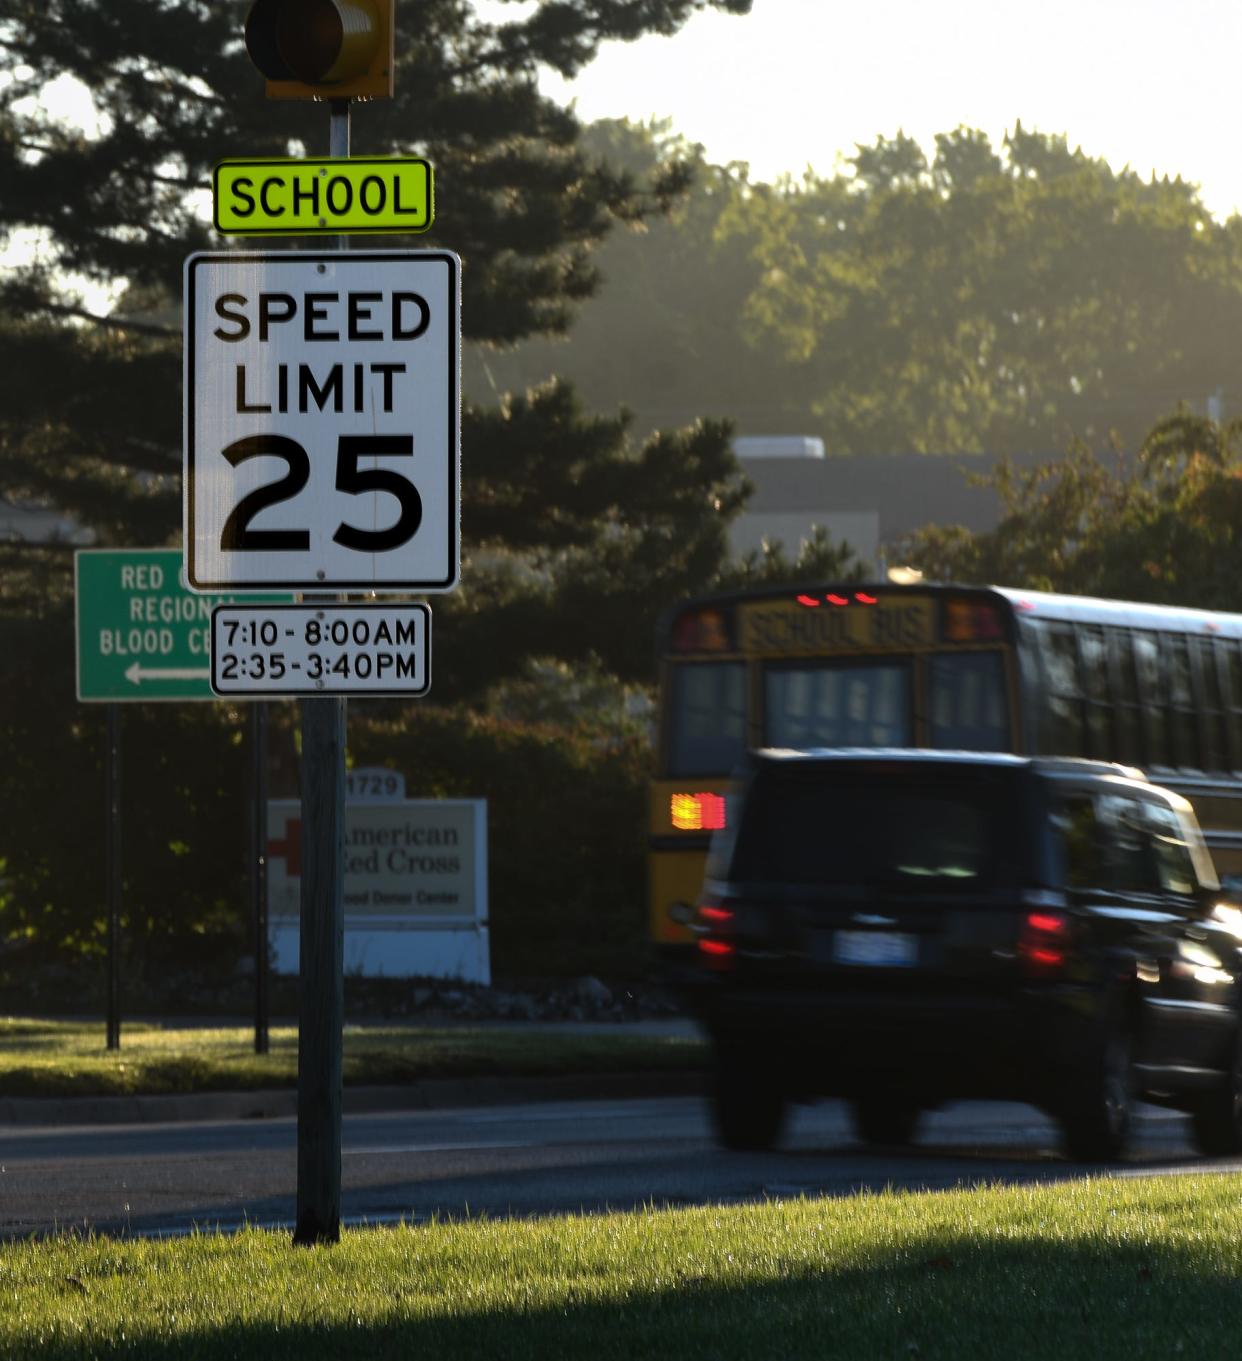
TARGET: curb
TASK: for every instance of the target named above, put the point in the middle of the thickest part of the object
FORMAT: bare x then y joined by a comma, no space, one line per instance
432,1094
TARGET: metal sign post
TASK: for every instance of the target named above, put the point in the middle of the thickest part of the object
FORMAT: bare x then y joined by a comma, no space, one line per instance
139,636
321,454
321,969
112,855
258,870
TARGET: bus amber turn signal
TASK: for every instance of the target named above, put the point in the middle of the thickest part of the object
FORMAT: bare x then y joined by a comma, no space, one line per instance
697,812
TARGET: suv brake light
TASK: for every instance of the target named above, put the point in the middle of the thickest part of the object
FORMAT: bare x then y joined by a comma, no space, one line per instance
1043,941
711,925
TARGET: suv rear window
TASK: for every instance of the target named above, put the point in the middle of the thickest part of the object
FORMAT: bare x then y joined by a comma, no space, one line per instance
899,828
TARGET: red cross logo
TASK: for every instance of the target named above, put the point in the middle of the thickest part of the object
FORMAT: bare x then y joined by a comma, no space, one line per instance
290,849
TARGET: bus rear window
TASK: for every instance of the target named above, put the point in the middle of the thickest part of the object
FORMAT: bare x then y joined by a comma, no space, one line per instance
967,702
838,704
707,718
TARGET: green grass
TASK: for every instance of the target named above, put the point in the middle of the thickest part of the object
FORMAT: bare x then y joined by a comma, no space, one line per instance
49,1058
1097,1269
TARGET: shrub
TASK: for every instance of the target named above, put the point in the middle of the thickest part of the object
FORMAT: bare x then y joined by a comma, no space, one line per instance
566,819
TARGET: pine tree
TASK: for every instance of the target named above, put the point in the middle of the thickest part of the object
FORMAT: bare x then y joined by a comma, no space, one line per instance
112,114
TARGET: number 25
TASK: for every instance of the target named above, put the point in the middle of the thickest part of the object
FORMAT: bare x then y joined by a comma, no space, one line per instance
238,537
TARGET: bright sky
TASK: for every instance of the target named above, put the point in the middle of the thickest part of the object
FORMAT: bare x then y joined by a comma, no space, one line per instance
1149,83
797,83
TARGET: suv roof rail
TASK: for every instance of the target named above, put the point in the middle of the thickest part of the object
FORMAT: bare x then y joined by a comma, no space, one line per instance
1084,765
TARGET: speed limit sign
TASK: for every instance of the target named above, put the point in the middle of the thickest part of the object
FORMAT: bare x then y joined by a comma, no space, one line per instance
322,420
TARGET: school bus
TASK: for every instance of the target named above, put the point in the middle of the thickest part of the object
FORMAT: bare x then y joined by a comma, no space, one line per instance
943,666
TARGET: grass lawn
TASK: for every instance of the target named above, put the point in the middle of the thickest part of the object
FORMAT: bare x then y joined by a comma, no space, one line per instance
51,1058
1098,1269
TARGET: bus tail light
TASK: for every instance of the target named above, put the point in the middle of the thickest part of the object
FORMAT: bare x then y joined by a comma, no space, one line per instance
702,812
1043,942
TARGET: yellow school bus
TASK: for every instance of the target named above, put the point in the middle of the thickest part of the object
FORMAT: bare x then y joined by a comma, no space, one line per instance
931,665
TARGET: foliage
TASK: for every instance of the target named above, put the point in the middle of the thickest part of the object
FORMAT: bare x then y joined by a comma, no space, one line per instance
664,335
985,299
584,569
550,691
183,804
817,559
567,885
90,416
1163,524
995,300
574,537
569,858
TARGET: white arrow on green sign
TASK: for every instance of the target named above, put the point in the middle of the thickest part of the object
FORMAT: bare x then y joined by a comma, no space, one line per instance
141,635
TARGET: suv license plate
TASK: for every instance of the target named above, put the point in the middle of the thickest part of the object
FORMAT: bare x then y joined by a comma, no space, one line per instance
888,948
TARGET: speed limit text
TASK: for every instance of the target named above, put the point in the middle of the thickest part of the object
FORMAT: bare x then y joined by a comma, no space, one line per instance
357,316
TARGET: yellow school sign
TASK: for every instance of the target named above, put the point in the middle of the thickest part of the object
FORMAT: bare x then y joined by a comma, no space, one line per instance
273,197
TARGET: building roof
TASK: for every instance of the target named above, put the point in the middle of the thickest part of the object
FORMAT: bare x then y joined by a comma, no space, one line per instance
907,490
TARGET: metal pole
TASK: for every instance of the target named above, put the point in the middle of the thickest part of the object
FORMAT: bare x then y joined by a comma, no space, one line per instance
321,994
112,783
258,868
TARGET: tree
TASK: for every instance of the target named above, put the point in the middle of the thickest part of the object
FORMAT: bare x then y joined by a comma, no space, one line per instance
1000,302
663,334
977,299
1159,525
112,113
90,416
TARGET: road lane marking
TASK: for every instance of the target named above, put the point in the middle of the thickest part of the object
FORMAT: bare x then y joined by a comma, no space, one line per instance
442,1148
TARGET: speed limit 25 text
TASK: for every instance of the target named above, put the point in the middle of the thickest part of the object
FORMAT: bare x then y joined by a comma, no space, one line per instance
358,317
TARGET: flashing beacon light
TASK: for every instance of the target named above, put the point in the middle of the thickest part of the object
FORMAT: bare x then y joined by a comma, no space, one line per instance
323,49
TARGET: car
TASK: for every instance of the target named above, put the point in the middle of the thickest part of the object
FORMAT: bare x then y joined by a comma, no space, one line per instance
900,928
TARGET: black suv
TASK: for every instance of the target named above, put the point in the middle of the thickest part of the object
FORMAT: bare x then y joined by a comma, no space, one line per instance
903,927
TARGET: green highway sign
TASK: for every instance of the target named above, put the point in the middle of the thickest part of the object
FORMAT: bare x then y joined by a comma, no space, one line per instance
285,197
141,634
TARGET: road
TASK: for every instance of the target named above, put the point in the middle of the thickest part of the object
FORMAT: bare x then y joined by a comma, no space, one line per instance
531,1159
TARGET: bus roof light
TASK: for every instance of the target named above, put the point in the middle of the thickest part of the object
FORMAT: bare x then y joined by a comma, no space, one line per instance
701,631
966,621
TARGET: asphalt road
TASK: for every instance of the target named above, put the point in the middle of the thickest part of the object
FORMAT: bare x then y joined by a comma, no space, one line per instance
531,1159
